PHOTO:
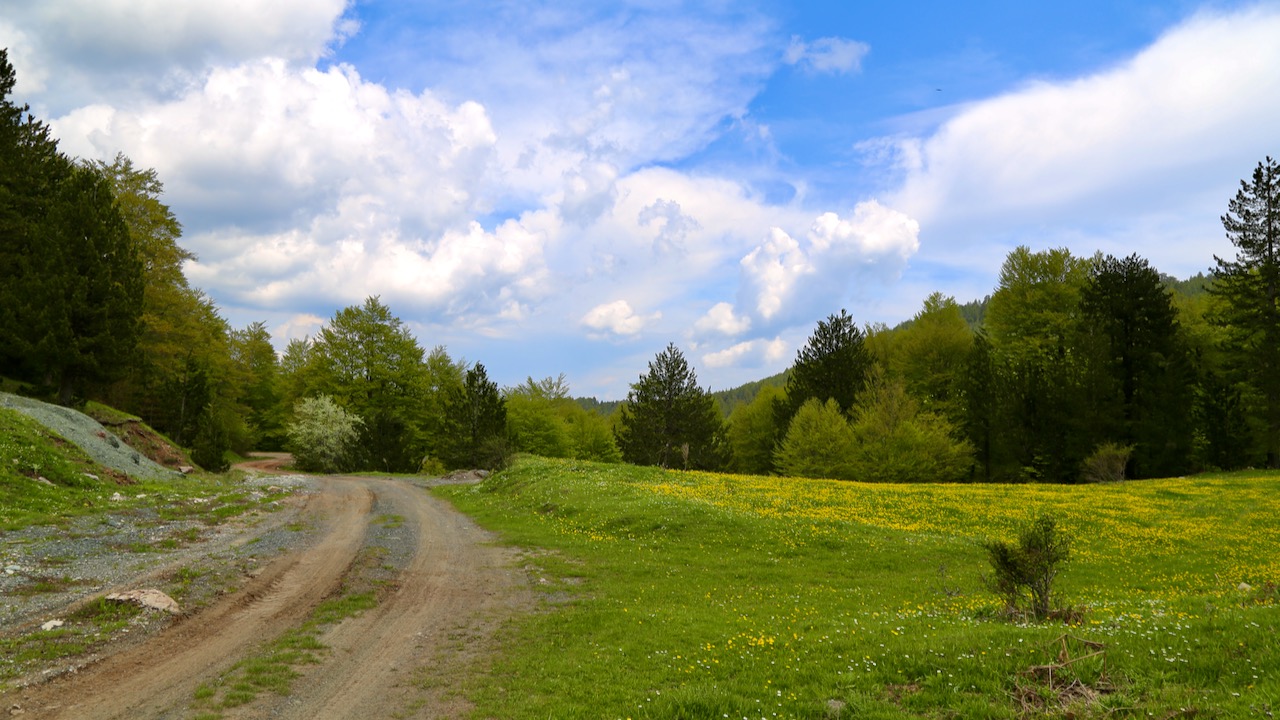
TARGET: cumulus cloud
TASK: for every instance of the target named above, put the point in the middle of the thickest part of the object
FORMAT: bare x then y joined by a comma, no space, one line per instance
785,279
673,225
826,55
274,143
121,50
617,318
722,319
752,353
1128,151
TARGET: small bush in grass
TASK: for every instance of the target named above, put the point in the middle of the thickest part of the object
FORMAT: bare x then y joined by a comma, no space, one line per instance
1023,574
1107,463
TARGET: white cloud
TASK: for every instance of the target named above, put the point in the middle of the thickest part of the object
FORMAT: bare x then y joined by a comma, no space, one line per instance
752,353
120,51
723,320
1148,150
618,318
785,280
828,54
773,270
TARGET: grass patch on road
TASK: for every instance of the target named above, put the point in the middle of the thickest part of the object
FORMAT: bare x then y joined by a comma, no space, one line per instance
700,595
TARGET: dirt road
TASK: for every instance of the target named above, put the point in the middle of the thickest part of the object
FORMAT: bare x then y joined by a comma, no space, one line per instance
450,587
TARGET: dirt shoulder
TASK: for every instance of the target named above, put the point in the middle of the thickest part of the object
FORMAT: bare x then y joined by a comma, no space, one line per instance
443,587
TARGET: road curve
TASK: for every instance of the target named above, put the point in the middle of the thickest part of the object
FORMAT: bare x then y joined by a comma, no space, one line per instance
454,583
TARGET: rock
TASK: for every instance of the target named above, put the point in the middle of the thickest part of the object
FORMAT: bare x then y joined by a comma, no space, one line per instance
51,624
149,598
91,476
12,569
186,469
43,480
1244,587
116,497
482,474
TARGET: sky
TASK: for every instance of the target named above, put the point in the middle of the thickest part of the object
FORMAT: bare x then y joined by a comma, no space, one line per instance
567,187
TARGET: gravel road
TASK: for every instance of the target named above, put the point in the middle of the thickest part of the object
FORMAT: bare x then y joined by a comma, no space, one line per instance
445,579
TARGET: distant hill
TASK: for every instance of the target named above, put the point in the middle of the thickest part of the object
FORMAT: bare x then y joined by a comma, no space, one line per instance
743,394
604,407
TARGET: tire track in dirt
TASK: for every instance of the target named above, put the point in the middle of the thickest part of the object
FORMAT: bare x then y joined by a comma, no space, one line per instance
446,601
147,680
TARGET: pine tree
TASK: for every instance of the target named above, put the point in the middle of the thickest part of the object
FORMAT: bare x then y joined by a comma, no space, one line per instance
833,365
1250,285
668,420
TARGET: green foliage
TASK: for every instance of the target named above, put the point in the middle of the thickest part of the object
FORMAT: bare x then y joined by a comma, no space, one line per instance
832,364
1144,382
476,418
1023,574
323,436
895,441
752,432
1031,421
668,420
1107,463
256,370
1250,287
367,360
212,440
930,354
818,444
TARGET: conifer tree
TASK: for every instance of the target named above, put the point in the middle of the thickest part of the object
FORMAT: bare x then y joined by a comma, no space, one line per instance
1250,285
668,420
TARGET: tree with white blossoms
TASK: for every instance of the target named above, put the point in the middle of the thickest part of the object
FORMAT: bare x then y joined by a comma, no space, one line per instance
323,436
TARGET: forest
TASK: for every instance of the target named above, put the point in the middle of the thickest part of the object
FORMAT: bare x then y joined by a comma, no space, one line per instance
1074,369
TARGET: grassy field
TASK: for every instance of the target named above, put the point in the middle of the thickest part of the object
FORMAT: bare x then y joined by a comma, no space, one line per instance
696,595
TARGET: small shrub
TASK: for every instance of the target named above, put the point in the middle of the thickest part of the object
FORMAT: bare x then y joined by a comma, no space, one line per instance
1023,574
432,467
1107,463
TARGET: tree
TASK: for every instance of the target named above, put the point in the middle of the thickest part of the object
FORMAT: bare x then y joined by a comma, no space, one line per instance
91,288
752,433
668,420
323,436
930,355
833,364
369,362
257,375
818,444
31,170
1250,285
1037,368
1144,385
536,417
478,417
896,441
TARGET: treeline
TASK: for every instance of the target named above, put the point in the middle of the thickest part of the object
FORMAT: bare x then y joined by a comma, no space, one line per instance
1074,369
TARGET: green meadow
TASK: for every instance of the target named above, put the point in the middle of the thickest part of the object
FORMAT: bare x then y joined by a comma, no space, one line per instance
699,595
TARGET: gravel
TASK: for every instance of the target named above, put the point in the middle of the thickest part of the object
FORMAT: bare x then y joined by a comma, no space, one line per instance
85,432
126,549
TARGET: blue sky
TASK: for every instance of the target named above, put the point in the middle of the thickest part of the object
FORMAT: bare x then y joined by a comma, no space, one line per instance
567,187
